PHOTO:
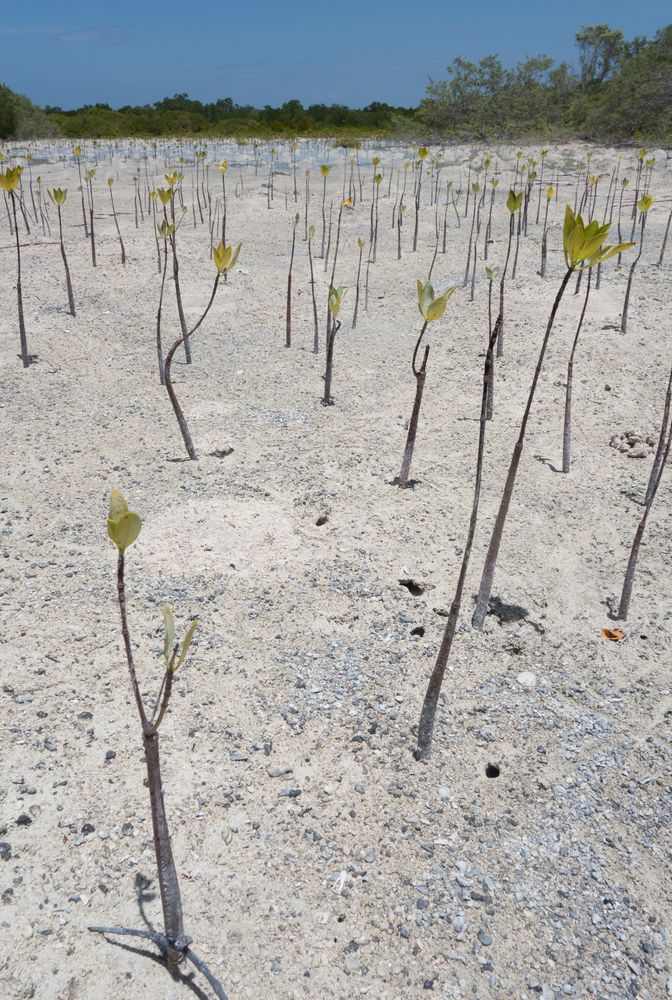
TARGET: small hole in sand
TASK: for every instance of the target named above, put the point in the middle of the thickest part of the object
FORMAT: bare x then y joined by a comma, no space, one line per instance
322,519
413,587
492,770
418,630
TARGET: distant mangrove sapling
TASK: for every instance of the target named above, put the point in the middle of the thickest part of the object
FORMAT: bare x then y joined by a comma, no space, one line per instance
584,246
225,259
123,528
77,151
288,316
336,296
325,170
9,182
644,204
431,701
316,326
513,203
360,244
567,423
88,177
110,182
422,155
432,308
626,593
58,196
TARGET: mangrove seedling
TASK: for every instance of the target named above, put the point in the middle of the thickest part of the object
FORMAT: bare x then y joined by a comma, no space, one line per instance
422,155
432,308
110,182
626,593
513,204
660,449
225,259
165,230
544,236
644,204
223,168
567,423
58,196
360,244
316,326
325,170
9,182
336,296
584,247
167,196
428,713
77,151
288,317
88,177
123,529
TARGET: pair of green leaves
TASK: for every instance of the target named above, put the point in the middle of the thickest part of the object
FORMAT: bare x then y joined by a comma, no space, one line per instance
10,179
514,201
336,296
123,528
431,305
170,649
584,245
58,195
123,525
225,257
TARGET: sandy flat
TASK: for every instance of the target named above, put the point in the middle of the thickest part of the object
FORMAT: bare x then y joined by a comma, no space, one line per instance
376,876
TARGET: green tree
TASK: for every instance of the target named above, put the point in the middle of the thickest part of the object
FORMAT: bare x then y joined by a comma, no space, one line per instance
8,114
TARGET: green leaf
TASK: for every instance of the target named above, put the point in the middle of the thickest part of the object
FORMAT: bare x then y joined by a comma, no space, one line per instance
118,505
169,628
124,530
186,644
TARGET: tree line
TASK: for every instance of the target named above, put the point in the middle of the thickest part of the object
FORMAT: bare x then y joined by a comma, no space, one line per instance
620,90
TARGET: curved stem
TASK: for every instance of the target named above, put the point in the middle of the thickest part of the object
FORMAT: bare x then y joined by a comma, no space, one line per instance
487,578
179,414
429,706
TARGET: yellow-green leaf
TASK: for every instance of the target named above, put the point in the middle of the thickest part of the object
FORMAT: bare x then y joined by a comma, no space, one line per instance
124,530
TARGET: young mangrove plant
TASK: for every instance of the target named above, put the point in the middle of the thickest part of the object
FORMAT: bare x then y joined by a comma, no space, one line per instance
225,259
428,713
513,204
10,180
88,177
288,316
165,230
544,236
492,273
223,168
123,529
644,204
422,155
360,244
316,326
174,182
58,196
77,151
432,308
110,182
325,170
584,247
626,593
567,422
660,449
336,296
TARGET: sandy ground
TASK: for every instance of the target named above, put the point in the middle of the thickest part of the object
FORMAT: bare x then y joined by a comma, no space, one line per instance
318,858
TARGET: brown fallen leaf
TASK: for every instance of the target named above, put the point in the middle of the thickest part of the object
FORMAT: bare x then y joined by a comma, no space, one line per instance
613,634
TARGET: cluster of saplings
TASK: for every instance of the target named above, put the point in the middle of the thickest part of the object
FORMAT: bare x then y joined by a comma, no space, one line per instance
618,202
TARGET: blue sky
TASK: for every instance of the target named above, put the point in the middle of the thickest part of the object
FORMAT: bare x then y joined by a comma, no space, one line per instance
265,52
